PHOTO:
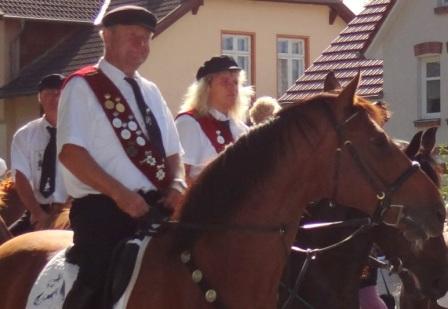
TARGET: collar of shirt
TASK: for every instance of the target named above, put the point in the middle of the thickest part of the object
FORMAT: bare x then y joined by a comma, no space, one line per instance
218,115
46,123
115,74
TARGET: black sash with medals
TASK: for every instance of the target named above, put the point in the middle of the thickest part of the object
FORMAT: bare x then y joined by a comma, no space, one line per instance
147,158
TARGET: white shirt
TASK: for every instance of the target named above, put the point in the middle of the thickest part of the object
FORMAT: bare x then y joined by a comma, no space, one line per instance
198,150
82,122
3,167
27,152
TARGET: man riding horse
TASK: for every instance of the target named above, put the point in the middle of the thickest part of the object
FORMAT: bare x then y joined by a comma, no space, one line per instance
120,149
38,179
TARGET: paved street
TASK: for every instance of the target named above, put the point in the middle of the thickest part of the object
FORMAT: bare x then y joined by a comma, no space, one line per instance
393,283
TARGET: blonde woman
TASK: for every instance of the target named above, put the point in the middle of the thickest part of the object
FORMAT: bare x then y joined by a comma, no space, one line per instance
212,115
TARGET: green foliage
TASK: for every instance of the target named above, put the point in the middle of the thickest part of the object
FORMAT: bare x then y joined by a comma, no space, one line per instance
443,156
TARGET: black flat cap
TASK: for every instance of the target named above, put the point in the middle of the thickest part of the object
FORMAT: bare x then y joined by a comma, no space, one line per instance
130,15
217,64
52,81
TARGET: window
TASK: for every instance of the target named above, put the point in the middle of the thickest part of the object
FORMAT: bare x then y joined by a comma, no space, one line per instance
239,46
430,88
443,2
290,62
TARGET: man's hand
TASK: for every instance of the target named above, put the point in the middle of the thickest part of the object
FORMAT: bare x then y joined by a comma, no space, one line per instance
131,203
172,199
38,216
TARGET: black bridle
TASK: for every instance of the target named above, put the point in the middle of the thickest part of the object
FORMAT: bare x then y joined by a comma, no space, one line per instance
383,196
383,191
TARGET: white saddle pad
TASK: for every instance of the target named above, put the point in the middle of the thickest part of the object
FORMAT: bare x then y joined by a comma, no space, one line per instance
57,278
443,302
53,283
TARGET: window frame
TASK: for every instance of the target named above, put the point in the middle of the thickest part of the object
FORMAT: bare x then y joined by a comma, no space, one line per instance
251,53
423,86
305,58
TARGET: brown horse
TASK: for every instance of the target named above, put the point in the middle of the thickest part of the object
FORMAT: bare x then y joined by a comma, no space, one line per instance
410,296
239,219
428,263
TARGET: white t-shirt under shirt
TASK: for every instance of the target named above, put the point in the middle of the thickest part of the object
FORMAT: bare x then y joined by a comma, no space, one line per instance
27,152
198,150
82,122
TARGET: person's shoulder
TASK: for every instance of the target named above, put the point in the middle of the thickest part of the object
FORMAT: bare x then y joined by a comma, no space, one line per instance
30,126
185,117
147,83
27,131
241,124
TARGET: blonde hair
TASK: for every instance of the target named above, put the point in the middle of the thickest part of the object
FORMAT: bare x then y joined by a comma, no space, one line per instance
263,109
196,97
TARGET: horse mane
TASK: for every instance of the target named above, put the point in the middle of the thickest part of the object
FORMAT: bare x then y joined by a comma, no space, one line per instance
379,113
6,188
215,196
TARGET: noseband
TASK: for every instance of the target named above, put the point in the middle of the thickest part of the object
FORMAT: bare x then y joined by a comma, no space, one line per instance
383,190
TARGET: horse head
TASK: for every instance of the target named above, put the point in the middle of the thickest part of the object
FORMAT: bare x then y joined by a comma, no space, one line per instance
375,171
422,266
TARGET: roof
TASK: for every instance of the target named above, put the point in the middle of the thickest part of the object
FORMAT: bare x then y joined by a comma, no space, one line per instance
84,47
346,56
54,10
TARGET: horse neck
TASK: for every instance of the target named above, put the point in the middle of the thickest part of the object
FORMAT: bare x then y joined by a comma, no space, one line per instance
258,258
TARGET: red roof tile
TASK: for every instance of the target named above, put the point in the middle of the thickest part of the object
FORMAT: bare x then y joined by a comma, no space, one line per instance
67,10
345,56
81,48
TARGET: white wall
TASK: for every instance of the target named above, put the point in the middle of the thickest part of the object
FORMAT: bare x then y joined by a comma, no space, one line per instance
413,22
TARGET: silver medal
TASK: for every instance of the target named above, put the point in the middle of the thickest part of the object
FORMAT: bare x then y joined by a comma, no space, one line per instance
220,139
132,125
140,141
116,122
125,134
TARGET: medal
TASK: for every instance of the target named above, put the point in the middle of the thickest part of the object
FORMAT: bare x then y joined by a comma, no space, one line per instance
125,134
119,107
116,122
109,104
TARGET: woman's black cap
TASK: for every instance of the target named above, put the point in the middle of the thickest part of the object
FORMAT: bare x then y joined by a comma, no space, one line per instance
217,64
130,15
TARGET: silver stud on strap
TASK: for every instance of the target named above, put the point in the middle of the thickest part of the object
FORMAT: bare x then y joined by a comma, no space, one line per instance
185,257
210,296
196,276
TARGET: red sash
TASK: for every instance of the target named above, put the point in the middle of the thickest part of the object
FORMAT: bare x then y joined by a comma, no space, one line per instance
218,132
134,142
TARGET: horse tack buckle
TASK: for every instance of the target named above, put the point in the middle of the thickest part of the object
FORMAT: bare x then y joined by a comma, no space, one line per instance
399,215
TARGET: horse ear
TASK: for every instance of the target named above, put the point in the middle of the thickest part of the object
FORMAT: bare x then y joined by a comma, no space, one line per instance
414,146
347,94
331,83
429,140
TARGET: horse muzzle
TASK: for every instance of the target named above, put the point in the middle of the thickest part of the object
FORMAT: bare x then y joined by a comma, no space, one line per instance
418,223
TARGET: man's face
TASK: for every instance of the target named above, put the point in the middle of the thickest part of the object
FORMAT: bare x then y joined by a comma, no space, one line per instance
49,99
127,46
223,90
